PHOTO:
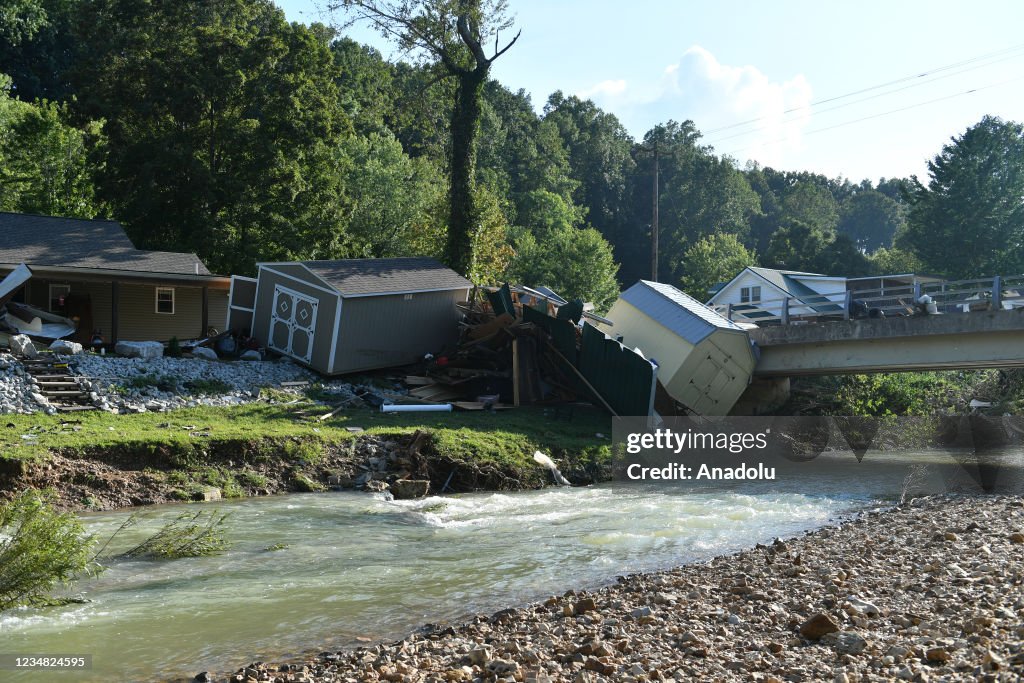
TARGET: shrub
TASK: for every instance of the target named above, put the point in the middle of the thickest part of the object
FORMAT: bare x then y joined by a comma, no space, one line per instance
189,535
207,387
174,348
39,549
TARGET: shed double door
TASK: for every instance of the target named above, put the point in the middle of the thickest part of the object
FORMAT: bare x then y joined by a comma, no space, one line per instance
293,323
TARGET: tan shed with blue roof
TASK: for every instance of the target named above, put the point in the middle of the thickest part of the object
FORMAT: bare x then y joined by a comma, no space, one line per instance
704,360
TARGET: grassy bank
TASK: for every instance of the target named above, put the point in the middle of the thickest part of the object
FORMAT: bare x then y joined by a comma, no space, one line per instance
263,448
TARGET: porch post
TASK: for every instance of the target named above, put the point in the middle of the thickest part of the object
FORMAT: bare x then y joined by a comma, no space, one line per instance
206,312
115,300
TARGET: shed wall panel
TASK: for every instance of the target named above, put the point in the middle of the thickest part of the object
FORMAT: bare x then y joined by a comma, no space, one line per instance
390,330
243,292
656,341
303,283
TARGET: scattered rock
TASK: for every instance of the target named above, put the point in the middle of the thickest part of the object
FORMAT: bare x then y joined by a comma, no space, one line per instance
145,350
817,626
1017,537
845,642
251,354
65,347
205,353
23,346
404,489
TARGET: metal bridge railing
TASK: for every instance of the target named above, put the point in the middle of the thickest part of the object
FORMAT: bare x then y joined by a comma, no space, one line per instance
949,297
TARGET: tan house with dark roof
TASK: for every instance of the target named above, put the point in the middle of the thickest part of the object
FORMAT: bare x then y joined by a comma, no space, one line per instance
350,315
91,271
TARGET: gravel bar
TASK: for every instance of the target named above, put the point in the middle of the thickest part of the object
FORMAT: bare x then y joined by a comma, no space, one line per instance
930,591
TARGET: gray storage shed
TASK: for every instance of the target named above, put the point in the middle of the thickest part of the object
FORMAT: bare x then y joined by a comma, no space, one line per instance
350,315
704,360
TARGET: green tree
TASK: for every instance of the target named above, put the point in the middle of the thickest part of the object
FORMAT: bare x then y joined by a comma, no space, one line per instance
713,259
699,193
40,548
392,200
812,205
599,155
223,124
452,34
796,246
46,164
21,19
577,263
894,261
38,46
870,219
969,221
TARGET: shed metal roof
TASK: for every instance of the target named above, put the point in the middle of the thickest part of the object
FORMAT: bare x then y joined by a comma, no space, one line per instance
83,243
684,315
367,277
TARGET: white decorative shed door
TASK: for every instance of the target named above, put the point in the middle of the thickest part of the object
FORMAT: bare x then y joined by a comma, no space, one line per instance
292,323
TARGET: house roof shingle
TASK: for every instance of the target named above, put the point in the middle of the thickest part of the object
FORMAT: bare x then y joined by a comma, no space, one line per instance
363,277
83,243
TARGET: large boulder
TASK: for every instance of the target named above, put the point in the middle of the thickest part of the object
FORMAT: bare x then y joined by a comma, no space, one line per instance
251,354
68,348
403,489
203,352
23,346
139,349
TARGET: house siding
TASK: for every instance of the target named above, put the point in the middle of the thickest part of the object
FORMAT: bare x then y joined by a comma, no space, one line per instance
389,330
137,316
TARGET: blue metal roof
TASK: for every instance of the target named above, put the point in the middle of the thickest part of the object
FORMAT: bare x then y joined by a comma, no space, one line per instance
684,315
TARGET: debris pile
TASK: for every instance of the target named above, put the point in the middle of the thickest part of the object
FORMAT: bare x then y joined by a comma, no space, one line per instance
525,347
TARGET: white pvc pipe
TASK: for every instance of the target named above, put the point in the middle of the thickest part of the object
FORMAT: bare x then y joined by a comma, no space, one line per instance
439,408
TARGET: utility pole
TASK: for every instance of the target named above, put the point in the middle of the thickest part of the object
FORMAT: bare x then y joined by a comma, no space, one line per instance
654,219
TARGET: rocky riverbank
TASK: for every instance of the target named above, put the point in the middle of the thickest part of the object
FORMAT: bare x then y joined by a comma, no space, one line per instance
405,465
931,591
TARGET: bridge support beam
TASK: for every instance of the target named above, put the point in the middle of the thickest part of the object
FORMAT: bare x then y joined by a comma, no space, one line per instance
990,339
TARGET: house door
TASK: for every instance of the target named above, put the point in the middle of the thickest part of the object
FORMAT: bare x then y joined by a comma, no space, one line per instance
292,323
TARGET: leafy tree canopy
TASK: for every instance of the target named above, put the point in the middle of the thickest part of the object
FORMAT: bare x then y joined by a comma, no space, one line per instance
968,222
713,259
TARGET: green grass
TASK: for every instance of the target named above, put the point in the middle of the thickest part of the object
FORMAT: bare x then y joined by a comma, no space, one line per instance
507,437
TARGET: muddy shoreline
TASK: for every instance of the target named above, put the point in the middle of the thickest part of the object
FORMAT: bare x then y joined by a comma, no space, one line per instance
933,590
131,475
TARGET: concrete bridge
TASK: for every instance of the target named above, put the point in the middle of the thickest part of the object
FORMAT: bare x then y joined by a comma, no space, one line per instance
969,341
967,325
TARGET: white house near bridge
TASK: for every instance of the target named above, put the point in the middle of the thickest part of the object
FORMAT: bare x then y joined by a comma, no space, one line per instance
759,293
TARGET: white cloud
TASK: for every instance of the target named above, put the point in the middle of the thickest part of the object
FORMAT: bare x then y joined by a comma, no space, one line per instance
716,97
609,88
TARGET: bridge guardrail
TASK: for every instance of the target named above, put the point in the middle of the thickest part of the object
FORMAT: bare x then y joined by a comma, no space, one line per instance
948,297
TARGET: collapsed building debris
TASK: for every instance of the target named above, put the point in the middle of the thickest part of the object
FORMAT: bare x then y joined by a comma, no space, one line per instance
528,346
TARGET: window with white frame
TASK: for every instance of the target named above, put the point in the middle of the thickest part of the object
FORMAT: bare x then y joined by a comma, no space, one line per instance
749,295
58,298
165,300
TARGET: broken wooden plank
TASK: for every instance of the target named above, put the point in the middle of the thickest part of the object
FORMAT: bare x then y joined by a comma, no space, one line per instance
491,327
338,407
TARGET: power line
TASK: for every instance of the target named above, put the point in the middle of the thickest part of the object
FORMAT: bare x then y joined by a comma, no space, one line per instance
875,116
923,74
850,104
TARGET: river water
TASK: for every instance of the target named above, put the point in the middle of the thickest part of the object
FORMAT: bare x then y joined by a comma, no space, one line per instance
357,565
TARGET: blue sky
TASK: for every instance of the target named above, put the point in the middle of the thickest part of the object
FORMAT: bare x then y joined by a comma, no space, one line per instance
726,62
